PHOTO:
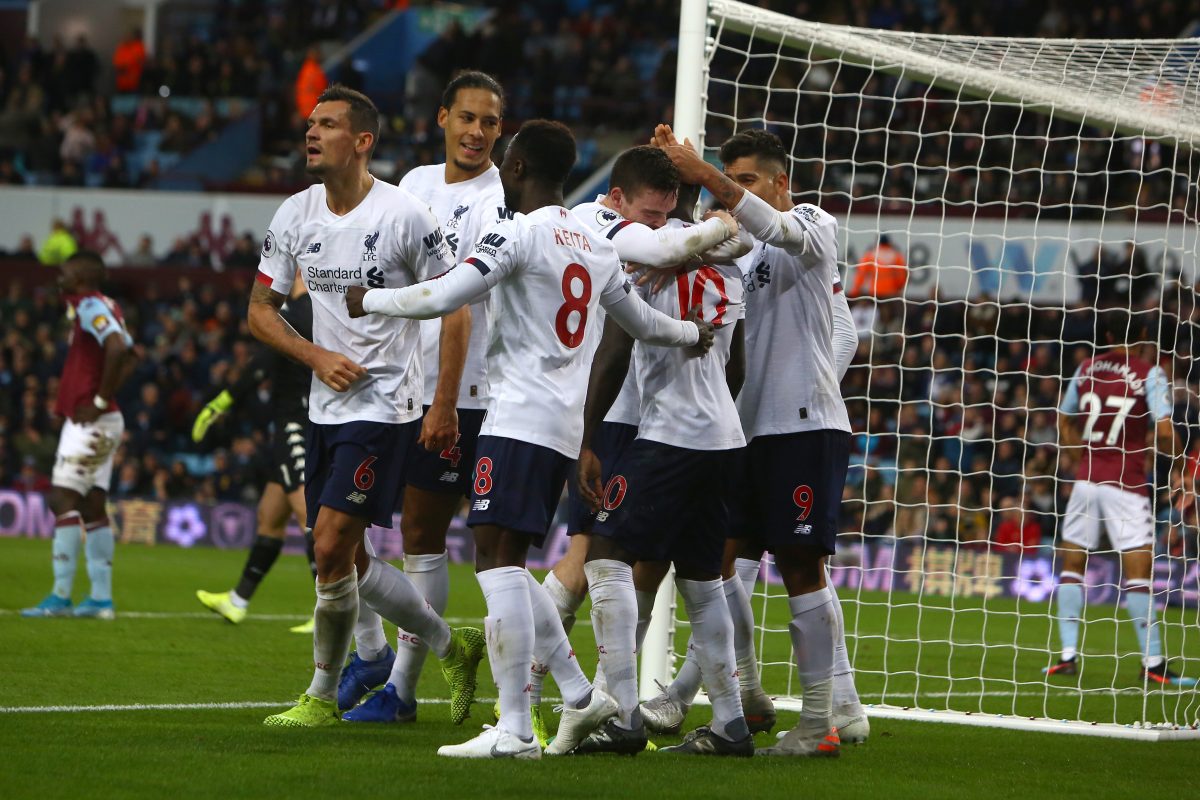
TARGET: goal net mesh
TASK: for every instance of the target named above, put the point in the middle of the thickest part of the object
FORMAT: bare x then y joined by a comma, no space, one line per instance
1024,184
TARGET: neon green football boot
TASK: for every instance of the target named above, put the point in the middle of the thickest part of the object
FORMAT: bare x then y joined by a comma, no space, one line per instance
309,712
460,668
219,603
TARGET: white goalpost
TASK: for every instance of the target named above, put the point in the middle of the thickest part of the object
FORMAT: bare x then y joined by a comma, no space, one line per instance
1026,183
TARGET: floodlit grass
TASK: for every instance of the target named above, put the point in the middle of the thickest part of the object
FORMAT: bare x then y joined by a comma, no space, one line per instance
179,654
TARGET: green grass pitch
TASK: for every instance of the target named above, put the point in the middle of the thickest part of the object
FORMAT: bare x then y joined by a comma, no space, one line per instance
165,650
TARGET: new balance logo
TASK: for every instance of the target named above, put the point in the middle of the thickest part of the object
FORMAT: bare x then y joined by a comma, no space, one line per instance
315,247
803,530
449,477
480,505
358,498
603,515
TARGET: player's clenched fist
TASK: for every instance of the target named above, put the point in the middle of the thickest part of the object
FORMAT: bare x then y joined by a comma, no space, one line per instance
335,370
354,301
707,333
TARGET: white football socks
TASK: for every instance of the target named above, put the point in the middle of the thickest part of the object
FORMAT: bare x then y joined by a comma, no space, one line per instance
713,632
552,649
68,531
430,574
742,617
392,595
566,603
845,693
370,642
1068,611
333,624
614,622
510,638
812,629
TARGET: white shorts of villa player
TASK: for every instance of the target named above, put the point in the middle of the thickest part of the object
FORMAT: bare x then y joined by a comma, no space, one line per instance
84,459
1125,515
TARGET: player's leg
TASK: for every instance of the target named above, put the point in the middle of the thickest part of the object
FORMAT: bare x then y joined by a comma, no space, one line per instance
300,514
272,516
849,716
698,553
427,516
1131,528
1080,534
803,498
98,548
68,534
83,461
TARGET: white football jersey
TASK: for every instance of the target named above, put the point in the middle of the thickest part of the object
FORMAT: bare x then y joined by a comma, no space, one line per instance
686,400
464,210
792,380
389,240
558,272
627,407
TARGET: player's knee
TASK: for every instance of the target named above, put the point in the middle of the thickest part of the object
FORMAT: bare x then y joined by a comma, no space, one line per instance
421,538
602,547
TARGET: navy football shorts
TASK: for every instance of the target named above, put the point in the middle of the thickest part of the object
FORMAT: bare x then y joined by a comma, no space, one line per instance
449,471
357,468
610,441
666,503
517,485
791,490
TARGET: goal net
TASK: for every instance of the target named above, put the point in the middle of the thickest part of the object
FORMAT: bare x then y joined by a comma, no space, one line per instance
1023,184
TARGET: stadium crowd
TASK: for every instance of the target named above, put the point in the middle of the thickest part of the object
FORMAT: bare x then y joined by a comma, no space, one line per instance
954,403
66,118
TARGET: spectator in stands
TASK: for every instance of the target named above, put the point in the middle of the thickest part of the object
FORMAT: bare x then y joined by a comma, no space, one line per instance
309,83
59,245
129,60
1017,531
143,256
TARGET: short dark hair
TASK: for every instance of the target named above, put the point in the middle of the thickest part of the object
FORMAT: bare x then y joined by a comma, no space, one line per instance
471,79
92,264
685,206
548,148
644,167
763,145
364,116
1117,327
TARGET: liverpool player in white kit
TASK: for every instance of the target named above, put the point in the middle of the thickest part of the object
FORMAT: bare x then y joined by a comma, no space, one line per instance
548,274
791,407
1126,400
466,197
366,391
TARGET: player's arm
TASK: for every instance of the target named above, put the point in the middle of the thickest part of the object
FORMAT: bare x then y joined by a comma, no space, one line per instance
667,247
1158,398
425,300
1068,433
735,369
799,232
730,250
248,379
269,327
845,334
119,360
609,366
439,428
648,325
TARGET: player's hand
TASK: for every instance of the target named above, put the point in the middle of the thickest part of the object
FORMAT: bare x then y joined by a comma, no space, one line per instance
335,370
588,478
85,413
731,224
692,168
354,301
657,277
209,414
439,428
707,333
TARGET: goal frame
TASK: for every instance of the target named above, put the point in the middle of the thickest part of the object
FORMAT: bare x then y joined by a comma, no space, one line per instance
696,48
